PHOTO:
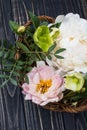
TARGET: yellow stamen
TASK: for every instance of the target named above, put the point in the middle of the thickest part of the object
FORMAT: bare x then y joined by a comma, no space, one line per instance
43,86
71,38
83,41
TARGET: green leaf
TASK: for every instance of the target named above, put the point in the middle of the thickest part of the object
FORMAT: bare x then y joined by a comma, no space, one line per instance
60,50
52,48
23,47
6,55
26,79
1,53
30,62
44,23
59,57
30,31
20,62
4,76
28,69
11,53
49,57
14,26
4,83
5,70
57,25
79,96
18,67
16,73
14,82
34,19
8,65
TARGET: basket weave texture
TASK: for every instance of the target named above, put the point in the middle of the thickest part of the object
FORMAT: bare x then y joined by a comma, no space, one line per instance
59,106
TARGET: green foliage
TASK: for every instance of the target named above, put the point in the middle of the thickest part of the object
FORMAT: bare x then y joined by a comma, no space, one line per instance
59,57
4,83
60,50
1,53
18,59
3,76
23,47
34,20
44,23
14,26
49,57
26,79
57,25
52,48
14,82
36,44
52,51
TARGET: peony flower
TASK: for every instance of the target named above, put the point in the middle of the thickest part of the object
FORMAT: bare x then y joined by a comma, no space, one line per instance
74,81
73,37
42,38
45,85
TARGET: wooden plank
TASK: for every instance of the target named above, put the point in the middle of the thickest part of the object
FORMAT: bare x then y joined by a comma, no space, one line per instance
16,113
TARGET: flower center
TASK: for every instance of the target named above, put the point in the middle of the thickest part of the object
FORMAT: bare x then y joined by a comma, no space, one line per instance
71,38
43,86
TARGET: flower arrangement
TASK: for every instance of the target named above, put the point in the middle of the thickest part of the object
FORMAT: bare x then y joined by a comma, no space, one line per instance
49,60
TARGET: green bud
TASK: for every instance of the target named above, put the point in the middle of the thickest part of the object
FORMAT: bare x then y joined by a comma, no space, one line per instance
74,103
21,29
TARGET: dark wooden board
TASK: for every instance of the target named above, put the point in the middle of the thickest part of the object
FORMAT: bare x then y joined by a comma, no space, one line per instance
15,113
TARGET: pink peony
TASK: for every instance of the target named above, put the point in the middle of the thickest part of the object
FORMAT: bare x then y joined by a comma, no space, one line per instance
45,85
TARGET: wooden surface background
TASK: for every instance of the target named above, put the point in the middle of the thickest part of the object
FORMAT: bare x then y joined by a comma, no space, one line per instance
15,113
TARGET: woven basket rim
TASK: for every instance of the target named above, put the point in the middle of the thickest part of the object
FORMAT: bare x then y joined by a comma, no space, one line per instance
42,17
59,106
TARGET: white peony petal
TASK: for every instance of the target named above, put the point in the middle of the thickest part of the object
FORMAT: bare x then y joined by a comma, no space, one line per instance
81,69
73,37
59,18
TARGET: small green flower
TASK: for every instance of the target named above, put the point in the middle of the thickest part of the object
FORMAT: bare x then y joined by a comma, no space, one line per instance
74,81
21,29
42,38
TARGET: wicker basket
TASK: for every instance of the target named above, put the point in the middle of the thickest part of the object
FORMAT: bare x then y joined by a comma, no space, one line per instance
59,106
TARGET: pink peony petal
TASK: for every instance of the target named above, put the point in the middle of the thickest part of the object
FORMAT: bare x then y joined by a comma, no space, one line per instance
46,72
57,80
56,99
28,97
54,92
36,78
36,100
31,74
25,87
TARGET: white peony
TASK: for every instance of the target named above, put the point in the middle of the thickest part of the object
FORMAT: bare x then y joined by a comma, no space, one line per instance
73,37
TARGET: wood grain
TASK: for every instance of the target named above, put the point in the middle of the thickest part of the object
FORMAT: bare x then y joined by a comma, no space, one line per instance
15,113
